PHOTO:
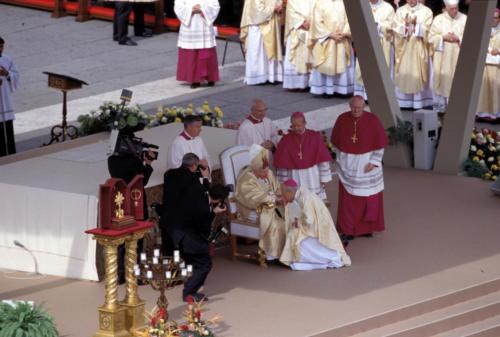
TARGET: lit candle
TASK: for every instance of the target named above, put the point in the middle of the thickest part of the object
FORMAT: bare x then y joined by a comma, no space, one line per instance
184,272
137,272
136,266
149,274
182,265
146,266
190,268
155,260
157,252
177,256
143,256
165,261
168,274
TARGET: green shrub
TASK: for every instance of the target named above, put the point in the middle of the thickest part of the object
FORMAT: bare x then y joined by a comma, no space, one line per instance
25,320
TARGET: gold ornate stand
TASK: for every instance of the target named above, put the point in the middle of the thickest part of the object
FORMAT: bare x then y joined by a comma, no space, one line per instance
134,305
111,315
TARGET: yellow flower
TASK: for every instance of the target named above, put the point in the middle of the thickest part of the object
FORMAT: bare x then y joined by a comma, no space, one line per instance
494,178
475,158
487,175
473,136
480,153
206,118
218,112
189,111
171,112
177,120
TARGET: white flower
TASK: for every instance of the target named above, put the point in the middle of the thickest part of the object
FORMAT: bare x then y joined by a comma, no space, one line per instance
163,119
473,148
115,123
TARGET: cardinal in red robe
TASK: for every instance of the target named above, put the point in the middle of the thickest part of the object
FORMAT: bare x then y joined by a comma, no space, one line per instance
303,156
359,140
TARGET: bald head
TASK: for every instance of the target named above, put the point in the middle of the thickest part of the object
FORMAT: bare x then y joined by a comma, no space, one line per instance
357,105
259,109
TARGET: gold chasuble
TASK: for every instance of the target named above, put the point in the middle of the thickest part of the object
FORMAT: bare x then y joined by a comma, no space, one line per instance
445,54
254,194
298,11
329,56
489,99
261,13
315,221
383,13
410,46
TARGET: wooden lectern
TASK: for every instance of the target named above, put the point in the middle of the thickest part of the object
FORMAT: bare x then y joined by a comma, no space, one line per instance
65,84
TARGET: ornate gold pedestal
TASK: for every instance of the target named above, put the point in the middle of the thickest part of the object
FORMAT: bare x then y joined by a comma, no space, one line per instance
111,315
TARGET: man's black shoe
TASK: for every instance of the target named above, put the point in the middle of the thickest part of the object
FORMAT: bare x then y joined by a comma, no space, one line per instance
211,84
345,237
128,42
368,235
145,34
195,85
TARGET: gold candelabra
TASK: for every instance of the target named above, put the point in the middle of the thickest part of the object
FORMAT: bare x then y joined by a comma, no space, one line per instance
162,273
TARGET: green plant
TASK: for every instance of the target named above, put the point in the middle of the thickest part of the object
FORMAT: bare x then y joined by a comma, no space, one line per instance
25,320
401,133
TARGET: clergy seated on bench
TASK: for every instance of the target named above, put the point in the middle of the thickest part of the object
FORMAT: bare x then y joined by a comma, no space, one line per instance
258,198
311,241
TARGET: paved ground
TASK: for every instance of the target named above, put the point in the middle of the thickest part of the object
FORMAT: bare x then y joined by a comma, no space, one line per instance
39,43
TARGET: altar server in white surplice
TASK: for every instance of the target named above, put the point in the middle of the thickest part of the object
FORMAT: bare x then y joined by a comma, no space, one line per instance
9,82
383,13
297,62
332,55
412,75
445,39
311,241
260,33
257,128
189,141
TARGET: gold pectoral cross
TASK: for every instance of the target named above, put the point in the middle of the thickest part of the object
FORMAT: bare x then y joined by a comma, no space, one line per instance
354,138
300,152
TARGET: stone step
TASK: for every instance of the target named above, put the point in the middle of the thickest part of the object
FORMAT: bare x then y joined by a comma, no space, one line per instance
439,321
487,328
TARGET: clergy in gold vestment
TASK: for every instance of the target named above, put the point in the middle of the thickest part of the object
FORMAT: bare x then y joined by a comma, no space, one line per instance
333,57
411,26
258,191
311,241
260,33
297,61
383,13
489,99
445,39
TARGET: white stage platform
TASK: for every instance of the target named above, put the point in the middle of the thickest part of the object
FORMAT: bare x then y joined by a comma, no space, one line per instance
49,200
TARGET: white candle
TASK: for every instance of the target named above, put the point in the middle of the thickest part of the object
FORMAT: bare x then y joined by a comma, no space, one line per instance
177,256
143,256
165,261
184,272
190,268
149,274
155,260
146,266
182,265
168,274
136,266
157,252
137,272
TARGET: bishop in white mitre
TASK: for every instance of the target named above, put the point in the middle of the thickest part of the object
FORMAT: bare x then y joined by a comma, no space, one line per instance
260,34
445,39
312,241
297,63
383,13
188,141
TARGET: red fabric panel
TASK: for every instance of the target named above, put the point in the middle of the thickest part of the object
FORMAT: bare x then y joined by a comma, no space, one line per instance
115,233
197,65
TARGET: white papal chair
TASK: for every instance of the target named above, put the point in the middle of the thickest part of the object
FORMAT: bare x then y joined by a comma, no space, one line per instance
233,160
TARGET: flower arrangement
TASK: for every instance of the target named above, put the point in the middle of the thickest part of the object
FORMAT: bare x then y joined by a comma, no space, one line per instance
210,117
329,144
132,119
484,155
193,324
135,119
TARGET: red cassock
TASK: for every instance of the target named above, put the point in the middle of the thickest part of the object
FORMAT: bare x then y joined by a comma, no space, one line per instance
358,215
197,65
297,152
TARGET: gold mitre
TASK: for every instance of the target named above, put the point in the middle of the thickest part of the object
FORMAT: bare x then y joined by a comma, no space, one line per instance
259,157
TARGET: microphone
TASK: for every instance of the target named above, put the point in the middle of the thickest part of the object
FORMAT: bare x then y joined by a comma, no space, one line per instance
20,245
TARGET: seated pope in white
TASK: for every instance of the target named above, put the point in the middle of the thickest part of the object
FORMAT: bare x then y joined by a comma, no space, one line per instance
312,241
